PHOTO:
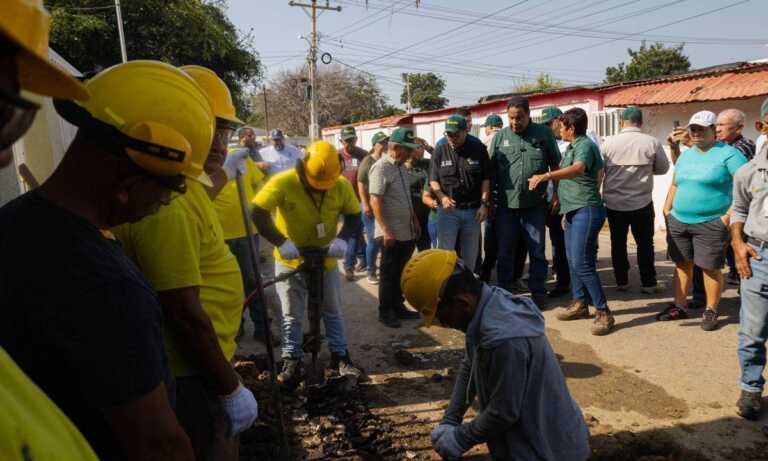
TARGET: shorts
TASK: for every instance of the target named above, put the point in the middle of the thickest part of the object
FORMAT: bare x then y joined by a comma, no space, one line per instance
703,243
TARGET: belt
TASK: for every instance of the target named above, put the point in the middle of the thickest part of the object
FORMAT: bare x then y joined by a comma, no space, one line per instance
757,242
468,205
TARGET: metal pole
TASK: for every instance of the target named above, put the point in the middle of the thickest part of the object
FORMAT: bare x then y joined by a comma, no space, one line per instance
120,32
408,90
313,76
254,257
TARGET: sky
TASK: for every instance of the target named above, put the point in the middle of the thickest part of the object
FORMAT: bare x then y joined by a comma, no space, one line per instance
484,47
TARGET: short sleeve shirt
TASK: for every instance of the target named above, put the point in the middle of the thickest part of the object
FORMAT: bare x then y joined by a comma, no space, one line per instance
363,172
352,163
461,171
704,182
583,190
281,160
417,177
306,217
389,182
227,203
79,318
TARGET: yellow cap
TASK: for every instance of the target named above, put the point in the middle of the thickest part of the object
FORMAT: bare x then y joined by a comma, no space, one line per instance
26,24
322,165
155,102
217,91
423,279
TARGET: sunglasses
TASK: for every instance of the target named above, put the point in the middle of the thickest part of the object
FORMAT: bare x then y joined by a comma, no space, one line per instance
16,116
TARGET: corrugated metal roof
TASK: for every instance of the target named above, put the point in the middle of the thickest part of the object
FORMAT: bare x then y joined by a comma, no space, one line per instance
735,84
392,120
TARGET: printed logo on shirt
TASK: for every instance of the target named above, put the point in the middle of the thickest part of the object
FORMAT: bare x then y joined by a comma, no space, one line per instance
446,163
505,143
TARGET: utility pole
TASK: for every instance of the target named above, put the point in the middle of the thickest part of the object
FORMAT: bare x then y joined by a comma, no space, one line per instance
408,105
266,112
120,32
312,58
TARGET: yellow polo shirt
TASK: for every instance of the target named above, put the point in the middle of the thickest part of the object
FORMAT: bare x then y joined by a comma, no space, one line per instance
31,426
227,203
299,211
182,245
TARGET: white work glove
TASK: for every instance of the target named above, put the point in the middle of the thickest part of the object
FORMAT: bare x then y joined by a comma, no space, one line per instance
337,249
288,250
241,408
235,162
447,446
439,431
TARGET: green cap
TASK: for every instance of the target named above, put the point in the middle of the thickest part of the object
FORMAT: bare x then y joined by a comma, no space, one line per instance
378,137
455,123
764,109
404,137
493,120
631,112
550,113
348,132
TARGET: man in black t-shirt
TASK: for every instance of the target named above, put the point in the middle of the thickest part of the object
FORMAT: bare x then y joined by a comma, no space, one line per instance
460,177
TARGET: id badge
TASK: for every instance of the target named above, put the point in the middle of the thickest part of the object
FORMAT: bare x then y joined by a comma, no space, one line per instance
355,162
320,228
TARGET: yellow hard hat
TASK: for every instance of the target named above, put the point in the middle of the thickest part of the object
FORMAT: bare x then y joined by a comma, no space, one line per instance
322,165
423,279
26,24
217,91
164,119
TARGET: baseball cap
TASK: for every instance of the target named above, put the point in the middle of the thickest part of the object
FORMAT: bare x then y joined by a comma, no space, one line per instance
455,123
550,113
378,137
404,137
276,134
703,118
630,112
348,132
493,120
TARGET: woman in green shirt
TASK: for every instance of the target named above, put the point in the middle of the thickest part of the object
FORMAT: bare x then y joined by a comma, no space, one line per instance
580,202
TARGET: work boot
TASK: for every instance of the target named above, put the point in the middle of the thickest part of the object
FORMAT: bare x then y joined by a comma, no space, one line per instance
749,405
577,310
403,313
603,323
343,364
292,372
389,319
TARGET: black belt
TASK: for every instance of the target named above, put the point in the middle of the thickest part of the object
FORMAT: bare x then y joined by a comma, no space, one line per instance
468,205
757,242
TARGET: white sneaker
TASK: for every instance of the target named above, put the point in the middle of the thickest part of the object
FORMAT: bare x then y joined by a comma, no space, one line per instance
372,279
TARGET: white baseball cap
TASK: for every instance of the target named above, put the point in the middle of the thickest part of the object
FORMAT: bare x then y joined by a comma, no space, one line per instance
703,118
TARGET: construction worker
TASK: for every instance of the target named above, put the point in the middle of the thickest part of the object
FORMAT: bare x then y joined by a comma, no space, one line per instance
526,411
91,338
182,252
309,200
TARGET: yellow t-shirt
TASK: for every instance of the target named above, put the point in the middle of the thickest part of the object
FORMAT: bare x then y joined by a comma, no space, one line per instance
31,426
298,215
227,203
180,246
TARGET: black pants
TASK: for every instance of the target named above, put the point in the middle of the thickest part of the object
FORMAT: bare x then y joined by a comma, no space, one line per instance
559,259
424,242
640,222
393,261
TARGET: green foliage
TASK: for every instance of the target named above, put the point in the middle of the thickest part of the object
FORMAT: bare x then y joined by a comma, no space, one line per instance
543,82
175,31
426,91
390,110
649,62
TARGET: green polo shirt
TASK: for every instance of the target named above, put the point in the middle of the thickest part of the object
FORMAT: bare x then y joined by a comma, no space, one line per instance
517,157
583,190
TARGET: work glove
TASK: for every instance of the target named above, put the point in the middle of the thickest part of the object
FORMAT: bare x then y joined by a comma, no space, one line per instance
439,431
235,162
448,445
338,248
288,250
241,408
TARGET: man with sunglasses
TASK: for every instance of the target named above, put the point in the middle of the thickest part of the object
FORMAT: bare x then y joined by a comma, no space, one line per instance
526,411
182,252
79,317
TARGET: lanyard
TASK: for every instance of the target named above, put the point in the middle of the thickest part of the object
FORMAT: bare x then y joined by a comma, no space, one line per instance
318,207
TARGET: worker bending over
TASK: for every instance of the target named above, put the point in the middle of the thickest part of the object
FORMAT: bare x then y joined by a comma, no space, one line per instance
308,200
526,411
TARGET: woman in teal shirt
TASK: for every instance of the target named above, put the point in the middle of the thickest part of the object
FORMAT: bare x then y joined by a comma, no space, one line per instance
698,213
580,202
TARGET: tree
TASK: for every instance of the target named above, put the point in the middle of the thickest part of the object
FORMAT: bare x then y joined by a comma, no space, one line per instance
175,31
649,62
426,91
543,82
390,110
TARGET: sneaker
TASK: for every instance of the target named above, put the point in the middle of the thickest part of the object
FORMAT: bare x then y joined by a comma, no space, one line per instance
622,287
652,290
709,320
361,267
390,321
292,372
603,323
749,405
372,279
404,313
672,313
349,274
343,365
577,310
558,292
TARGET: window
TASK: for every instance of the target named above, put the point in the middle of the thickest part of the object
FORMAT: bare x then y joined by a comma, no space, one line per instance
605,123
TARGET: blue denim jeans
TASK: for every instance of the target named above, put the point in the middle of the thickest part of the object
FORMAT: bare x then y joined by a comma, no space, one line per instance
432,228
239,248
753,327
371,245
582,227
354,248
459,224
293,302
510,222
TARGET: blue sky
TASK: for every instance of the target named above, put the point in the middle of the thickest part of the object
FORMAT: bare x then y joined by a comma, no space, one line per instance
487,46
